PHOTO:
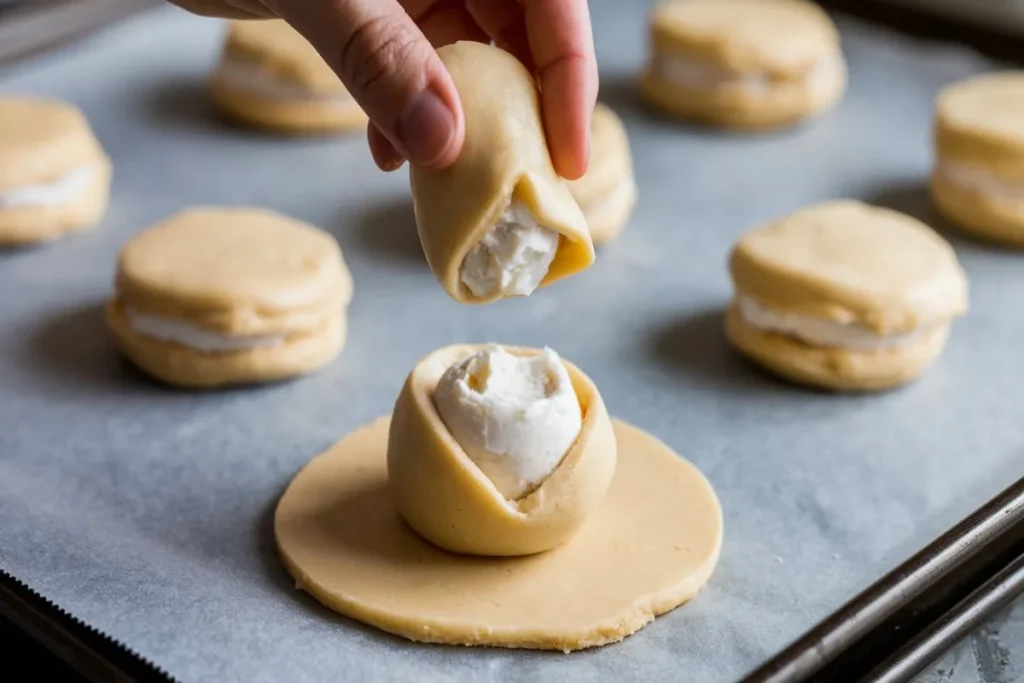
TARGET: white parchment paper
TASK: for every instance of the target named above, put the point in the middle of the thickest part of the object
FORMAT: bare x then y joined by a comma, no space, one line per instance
146,512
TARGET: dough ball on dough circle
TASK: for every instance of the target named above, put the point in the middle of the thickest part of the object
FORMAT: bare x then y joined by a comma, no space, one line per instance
448,500
651,545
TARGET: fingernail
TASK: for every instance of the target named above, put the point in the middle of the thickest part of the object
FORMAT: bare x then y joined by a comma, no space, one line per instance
426,128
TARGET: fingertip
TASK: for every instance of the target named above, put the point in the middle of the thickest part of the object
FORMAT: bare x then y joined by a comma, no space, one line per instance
567,116
435,124
570,165
452,153
578,154
454,103
387,158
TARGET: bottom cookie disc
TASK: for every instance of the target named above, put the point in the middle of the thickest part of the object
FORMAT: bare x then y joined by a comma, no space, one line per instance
650,547
994,218
834,369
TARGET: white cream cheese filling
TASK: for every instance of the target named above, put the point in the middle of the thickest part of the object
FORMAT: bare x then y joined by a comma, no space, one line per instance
52,193
249,76
821,331
698,74
981,181
513,258
514,417
179,332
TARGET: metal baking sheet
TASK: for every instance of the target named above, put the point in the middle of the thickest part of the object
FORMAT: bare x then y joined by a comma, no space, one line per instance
145,512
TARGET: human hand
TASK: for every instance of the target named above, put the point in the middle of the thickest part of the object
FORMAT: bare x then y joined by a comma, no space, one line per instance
383,51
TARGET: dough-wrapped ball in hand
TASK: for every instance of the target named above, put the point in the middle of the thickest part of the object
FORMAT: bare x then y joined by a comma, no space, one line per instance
499,222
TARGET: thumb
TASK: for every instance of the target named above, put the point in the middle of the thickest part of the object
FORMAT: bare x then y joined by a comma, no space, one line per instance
391,70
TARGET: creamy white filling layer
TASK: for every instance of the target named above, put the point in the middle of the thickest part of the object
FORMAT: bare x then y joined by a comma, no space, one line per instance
55,192
821,331
690,72
513,258
178,332
247,75
981,181
514,417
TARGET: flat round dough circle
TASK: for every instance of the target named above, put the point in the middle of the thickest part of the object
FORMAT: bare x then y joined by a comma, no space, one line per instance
650,547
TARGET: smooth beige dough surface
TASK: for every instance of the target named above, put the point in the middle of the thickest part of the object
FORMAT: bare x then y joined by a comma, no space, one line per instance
789,48
505,153
451,502
980,122
780,38
850,262
41,140
650,547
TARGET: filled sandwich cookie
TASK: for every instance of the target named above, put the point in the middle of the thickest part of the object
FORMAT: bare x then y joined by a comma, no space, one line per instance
607,192
54,176
743,63
270,77
978,179
220,296
844,296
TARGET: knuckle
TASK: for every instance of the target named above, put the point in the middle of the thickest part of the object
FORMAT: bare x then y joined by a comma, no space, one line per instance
376,48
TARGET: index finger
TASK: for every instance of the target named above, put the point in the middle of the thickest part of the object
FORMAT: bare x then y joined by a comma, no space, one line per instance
562,46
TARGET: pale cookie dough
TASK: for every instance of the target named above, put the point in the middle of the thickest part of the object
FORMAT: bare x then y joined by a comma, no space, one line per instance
445,497
220,296
978,179
743,63
844,296
650,546
499,222
270,77
54,176
607,192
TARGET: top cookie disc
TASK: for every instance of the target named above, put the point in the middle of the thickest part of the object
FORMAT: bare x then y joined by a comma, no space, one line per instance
983,117
783,38
42,140
852,263
281,50
240,259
